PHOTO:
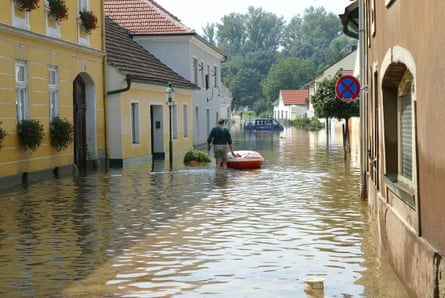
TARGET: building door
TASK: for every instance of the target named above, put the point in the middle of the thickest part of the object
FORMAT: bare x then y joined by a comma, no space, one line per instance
79,104
157,132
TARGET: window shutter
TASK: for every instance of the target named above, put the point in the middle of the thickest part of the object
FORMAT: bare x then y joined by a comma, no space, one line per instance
406,136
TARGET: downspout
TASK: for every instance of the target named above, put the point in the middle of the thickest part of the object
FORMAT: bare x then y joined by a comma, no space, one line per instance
363,84
123,89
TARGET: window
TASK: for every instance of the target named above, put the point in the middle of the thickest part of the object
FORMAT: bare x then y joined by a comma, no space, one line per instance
20,18
135,139
215,76
195,71
175,121
399,109
405,134
52,25
185,117
53,91
84,38
21,81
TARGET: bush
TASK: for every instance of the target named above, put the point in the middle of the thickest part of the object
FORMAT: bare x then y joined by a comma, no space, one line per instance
196,155
308,123
31,134
61,133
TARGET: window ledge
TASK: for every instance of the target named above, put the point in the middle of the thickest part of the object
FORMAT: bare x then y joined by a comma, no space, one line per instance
401,191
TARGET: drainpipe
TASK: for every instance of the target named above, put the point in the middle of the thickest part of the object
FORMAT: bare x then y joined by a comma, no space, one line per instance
363,84
123,89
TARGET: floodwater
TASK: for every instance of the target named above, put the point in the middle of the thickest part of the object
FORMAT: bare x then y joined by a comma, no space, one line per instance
144,231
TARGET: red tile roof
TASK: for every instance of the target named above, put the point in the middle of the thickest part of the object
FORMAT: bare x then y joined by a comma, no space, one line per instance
295,97
144,17
136,63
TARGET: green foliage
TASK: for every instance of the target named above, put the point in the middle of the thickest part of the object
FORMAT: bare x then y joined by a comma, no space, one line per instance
31,134
27,4
287,74
196,155
326,104
58,9
264,54
61,132
308,123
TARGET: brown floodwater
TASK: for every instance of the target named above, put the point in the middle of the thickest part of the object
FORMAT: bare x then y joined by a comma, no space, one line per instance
146,231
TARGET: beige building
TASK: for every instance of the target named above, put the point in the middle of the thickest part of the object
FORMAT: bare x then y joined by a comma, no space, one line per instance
402,66
51,66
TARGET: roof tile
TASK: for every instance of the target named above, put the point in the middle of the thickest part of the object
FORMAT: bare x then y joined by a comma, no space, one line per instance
295,97
144,17
131,59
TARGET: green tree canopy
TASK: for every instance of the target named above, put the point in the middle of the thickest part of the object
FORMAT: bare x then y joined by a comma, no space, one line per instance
287,74
326,104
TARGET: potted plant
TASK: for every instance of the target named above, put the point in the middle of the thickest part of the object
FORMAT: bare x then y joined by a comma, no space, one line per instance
196,156
27,5
88,20
57,9
3,134
31,133
61,132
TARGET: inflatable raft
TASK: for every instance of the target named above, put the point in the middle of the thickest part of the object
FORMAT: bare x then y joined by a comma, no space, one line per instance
245,159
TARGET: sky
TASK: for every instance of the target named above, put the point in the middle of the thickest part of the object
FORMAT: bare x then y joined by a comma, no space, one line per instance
198,13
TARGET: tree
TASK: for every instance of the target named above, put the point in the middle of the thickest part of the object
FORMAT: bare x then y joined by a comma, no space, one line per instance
327,105
287,74
309,37
209,33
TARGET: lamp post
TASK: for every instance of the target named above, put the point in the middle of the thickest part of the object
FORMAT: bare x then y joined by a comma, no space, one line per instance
170,93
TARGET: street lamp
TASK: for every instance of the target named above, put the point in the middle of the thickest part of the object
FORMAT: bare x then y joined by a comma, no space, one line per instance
170,92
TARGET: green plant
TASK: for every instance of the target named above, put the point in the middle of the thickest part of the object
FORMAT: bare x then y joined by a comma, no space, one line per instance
58,9
89,20
27,4
3,134
61,132
196,155
31,133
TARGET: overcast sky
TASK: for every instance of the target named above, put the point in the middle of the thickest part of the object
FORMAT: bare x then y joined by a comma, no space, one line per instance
198,13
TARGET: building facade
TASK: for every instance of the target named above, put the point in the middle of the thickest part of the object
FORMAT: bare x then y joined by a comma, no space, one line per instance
403,142
291,104
52,66
138,125
184,51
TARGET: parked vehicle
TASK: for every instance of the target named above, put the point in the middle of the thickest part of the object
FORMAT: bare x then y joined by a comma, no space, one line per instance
267,123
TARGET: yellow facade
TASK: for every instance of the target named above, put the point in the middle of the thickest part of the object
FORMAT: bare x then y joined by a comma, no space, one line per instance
149,98
40,43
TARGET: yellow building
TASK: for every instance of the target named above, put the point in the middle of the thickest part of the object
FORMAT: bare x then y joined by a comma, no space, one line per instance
51,66
139,118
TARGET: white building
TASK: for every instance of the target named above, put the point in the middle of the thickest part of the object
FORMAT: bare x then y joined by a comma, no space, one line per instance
291,104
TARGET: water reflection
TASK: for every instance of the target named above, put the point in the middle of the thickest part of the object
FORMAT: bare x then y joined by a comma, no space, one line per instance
145,231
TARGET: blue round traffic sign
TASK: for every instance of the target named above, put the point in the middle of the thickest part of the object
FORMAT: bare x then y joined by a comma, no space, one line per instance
347,88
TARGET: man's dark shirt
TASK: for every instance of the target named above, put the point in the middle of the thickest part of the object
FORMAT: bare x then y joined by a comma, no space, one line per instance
220,136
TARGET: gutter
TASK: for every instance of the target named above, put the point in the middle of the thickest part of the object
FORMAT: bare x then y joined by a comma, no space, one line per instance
363,84
121,90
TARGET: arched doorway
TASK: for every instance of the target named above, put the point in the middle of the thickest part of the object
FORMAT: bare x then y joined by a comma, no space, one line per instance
79,116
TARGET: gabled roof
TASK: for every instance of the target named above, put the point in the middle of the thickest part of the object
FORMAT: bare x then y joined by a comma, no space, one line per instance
295,97
144,17
132,60
148,18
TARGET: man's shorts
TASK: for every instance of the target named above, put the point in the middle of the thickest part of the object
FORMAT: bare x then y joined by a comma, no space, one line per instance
220,151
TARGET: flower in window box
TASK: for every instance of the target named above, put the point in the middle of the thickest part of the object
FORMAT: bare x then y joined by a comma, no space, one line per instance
3,134
27,5
88,20
31,134
61,131
57,9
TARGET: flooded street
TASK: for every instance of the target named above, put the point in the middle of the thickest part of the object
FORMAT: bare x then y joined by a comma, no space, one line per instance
144,231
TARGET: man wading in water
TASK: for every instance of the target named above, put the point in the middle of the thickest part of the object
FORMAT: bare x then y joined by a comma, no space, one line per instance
220,137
